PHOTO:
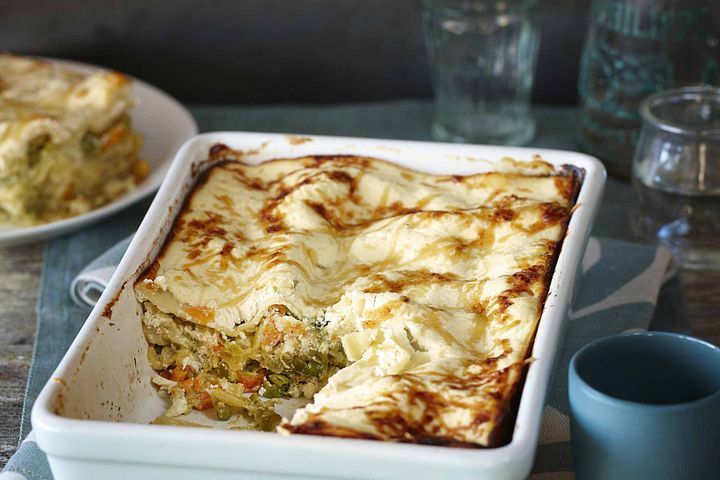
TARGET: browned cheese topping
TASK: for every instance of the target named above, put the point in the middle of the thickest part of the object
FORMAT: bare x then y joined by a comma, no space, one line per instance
401,304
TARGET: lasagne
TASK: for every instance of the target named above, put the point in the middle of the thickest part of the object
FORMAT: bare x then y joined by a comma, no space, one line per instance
397,305
66,142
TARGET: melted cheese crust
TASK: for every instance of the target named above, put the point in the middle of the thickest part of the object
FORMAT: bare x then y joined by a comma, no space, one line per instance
433,285
50,119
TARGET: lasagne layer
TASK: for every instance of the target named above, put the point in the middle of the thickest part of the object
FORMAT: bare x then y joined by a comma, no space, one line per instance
402,304
66,141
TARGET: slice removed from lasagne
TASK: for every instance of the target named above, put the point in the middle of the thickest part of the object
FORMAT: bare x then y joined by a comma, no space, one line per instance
66,141
401,305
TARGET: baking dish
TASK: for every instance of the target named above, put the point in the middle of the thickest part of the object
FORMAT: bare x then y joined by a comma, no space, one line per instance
91,418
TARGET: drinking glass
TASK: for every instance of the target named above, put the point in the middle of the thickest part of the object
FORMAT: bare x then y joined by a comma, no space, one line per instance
482,59
676,174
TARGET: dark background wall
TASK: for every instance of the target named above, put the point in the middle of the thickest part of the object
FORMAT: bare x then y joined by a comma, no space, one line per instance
261,51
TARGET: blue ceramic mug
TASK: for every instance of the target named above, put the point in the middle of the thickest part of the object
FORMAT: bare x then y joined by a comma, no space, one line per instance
646,406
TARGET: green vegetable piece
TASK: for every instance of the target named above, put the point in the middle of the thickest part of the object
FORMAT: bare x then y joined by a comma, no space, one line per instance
35,148
163,420
252,366
317,365
278,379
297,364
314,368
89,144
264,415
319,323
222,411
222,370
275,391
267,420
272,391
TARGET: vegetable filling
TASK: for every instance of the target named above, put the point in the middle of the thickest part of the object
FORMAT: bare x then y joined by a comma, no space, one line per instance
240,377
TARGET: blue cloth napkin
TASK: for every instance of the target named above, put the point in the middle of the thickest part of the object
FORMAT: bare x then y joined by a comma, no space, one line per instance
618,292
86,288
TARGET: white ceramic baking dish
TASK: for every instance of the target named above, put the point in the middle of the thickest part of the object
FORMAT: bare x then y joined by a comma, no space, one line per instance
92,417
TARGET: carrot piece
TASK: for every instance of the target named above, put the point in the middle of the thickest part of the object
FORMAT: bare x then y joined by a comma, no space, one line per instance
178,374
204,401
113,136
69,192
140,169
202,314
251,382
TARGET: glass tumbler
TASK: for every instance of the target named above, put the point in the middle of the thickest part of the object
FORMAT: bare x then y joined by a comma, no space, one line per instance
482,58
676,174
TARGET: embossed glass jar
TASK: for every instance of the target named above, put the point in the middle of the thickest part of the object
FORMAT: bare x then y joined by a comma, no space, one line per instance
635,48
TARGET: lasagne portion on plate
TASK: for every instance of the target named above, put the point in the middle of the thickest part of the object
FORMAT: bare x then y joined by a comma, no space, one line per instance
398,305
66,142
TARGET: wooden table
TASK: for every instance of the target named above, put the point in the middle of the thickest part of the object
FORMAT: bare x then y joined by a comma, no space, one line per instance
20,266
701,296
19,281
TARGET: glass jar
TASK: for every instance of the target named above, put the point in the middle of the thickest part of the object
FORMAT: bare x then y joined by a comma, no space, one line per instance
482,58
635,48
676,174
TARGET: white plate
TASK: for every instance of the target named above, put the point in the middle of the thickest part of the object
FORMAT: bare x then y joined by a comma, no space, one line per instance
164,124
92,416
